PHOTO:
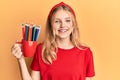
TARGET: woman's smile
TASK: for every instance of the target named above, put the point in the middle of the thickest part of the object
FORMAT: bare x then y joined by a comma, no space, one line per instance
62,30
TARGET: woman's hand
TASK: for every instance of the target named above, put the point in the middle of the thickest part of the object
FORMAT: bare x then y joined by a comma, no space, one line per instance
16,51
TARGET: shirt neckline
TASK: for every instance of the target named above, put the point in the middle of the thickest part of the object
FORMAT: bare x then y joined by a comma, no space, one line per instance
70,49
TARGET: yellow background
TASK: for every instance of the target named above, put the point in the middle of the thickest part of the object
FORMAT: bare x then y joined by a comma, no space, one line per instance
99,22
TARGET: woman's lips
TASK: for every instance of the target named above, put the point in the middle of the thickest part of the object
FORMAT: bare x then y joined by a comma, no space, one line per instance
63,30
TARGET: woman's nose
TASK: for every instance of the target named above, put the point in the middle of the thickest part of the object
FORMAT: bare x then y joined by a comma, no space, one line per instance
62,24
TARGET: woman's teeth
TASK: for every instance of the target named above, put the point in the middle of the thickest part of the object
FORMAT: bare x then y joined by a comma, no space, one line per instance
62,30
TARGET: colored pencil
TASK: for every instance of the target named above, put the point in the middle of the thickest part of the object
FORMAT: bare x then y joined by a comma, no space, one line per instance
33,32
30,33
23,31
26,31
37,33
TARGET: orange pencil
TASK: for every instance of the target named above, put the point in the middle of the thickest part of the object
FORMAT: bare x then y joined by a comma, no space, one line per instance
30,33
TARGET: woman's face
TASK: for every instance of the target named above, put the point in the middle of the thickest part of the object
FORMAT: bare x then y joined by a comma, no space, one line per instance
62,24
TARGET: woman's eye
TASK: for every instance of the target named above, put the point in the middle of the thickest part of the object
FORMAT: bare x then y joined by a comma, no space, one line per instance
57,21
68,20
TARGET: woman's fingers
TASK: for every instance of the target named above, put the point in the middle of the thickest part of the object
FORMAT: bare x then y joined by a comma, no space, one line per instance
16,50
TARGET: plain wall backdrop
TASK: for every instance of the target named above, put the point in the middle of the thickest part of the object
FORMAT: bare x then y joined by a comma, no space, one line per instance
99,22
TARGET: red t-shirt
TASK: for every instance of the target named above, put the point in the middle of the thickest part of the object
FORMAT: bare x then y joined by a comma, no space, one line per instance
71,64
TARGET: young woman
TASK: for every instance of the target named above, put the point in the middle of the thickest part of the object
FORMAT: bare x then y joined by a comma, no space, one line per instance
60,56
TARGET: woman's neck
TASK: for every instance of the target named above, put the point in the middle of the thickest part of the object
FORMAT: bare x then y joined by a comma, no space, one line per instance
64,43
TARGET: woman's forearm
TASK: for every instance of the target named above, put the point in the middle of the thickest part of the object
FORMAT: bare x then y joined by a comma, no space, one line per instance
23,69
17,52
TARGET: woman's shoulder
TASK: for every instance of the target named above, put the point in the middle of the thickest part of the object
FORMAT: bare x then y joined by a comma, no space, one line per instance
39,48
85,48
39,45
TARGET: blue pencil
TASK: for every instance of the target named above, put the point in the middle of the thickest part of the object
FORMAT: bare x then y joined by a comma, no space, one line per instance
37,33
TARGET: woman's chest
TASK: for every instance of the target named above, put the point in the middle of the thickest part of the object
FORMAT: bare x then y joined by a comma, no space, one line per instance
69,65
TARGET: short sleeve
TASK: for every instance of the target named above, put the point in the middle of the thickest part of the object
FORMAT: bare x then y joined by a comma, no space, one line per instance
90,72
35,62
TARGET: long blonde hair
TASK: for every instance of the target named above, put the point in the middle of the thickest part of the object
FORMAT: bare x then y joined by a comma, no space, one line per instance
49,48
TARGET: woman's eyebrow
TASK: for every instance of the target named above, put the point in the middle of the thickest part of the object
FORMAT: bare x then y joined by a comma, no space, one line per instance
57,18
65,18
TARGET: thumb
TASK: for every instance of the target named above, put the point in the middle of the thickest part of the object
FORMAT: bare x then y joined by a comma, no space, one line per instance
18,42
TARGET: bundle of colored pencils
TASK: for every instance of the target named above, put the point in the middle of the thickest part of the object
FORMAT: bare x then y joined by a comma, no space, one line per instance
30,32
